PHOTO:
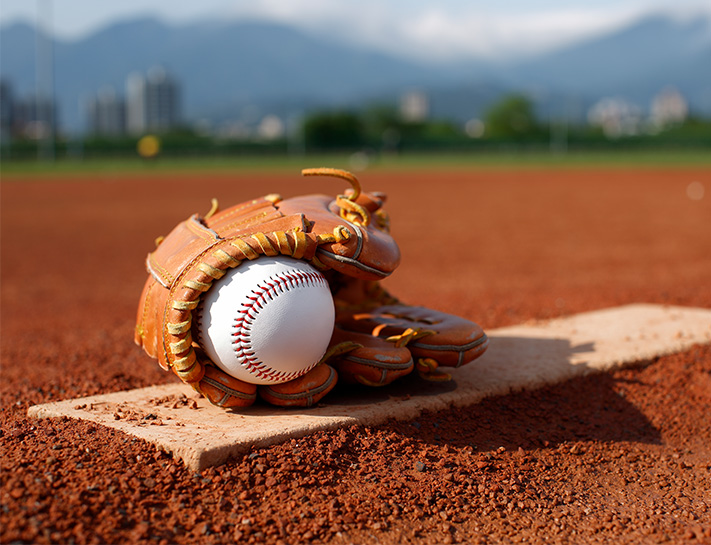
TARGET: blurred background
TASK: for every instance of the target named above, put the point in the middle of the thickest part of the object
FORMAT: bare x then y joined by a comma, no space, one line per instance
82,79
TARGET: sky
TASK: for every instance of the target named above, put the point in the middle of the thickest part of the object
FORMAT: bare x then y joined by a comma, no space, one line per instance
439,30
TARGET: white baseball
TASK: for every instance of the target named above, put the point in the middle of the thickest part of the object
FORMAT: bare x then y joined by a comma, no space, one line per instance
267,321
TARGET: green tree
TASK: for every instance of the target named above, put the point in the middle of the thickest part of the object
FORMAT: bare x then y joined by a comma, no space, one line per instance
335,130
511,118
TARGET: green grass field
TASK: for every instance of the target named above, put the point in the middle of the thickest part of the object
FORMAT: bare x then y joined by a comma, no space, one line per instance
501,160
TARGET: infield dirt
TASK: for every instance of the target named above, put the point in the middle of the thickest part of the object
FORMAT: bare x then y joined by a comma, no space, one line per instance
622,457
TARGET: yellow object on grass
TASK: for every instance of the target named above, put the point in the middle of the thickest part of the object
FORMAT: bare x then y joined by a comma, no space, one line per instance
148,146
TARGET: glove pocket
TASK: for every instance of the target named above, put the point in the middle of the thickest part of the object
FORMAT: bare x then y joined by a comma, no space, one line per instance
370,360
450,340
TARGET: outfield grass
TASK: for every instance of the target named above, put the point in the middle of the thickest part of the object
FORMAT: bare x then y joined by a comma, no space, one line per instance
587,160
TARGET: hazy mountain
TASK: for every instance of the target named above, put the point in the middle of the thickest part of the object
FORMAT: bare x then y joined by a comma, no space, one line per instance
224,67
633,62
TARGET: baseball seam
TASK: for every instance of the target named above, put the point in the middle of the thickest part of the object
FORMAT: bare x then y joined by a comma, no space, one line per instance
264,292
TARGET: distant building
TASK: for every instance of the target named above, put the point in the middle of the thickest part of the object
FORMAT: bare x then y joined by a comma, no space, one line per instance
39,118
26,116
616,117
271,128
107,114
414,107
669,107
6,106
152,102
33,118
475,128
136,104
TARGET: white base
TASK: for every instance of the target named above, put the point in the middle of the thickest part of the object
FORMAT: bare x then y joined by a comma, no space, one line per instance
518,357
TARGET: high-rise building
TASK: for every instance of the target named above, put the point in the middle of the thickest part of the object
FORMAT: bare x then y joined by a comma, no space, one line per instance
107,113
152,102
6,106
26,116
136,104
414,107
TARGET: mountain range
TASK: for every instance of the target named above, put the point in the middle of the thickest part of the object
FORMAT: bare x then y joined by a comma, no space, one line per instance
231,70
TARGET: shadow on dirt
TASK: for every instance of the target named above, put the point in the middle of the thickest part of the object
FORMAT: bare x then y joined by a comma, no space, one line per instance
543,407
580,409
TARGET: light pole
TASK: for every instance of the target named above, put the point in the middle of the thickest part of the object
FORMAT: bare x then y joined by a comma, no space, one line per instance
44,81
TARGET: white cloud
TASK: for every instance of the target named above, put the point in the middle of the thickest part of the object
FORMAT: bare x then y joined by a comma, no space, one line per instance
445,30
418,28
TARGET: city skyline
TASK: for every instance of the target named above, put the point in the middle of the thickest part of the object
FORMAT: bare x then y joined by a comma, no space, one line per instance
148,102
221,87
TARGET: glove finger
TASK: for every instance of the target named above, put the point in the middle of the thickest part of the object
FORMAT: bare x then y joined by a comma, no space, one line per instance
225,391
303,391
450,340
373,361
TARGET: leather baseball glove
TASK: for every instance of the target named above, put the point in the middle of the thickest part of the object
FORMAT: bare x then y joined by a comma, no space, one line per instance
376,338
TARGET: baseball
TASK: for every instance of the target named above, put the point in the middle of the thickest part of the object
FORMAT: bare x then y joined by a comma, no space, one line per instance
267,321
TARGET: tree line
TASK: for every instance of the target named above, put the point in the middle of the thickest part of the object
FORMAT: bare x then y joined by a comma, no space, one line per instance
509,124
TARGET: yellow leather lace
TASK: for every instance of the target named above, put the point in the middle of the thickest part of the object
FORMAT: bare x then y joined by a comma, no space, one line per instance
350,210
410,334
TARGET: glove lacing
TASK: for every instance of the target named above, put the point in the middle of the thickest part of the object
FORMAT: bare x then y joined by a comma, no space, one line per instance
350,210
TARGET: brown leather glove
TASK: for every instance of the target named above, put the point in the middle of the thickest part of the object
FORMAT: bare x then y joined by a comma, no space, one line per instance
383,339
332,234
347,238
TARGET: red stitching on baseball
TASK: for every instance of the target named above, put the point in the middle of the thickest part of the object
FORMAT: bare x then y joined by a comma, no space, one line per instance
242,343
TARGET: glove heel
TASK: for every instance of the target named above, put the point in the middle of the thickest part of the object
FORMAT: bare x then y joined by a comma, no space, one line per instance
303,391
225,391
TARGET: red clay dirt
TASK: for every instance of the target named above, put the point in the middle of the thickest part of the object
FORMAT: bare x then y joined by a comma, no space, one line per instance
623,457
